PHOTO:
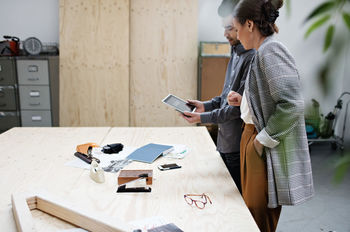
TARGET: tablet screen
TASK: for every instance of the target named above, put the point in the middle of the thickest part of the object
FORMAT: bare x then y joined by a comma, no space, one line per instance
178,103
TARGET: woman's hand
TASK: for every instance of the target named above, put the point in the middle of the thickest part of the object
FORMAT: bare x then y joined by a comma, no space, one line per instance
259,148
234,98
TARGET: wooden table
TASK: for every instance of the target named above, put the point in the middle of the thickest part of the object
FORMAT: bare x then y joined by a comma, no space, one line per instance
34,158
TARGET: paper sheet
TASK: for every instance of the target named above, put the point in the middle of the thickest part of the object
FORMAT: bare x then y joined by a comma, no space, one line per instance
179,151
106,159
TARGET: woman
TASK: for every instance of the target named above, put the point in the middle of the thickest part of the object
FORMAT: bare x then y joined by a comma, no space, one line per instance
275,160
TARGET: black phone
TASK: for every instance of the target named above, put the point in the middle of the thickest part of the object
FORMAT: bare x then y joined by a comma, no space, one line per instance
168,166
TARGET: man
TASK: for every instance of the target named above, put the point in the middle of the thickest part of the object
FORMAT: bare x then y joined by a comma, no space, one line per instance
217,110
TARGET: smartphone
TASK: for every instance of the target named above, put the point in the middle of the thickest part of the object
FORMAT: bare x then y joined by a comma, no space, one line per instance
168,166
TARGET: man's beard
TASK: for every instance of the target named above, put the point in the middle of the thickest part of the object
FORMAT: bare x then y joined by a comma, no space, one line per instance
232,41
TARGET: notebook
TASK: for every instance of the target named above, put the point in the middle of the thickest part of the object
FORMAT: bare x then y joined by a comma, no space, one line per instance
149,152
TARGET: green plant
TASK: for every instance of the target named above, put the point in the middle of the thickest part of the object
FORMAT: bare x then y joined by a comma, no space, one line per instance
328,13
341,168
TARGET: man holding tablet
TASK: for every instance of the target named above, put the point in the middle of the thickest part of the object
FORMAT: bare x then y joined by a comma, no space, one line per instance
217,110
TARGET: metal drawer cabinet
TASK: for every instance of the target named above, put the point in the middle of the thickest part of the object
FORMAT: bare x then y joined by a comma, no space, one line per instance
7,72
7,98
36,118
34,97
33,72
8,120
38,90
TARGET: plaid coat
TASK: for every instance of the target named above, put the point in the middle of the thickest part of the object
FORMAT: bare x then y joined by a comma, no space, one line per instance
276,103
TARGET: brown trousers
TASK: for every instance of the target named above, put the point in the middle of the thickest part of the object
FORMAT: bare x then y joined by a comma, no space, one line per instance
254,183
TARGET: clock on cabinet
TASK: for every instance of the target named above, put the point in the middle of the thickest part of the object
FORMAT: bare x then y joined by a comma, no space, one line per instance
32,46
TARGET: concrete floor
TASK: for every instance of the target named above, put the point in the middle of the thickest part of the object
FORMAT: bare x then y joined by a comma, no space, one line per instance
329,209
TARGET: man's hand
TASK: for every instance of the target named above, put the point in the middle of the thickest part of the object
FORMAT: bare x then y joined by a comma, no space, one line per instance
234,98
192,117
198,104
259,148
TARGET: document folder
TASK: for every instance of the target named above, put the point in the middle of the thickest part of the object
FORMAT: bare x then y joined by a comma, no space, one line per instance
149,152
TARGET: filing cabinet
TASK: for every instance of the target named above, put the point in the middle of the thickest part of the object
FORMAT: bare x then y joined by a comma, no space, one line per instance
34,97
36,118
8,120
33,72
7,71
38,90
7,98
9,105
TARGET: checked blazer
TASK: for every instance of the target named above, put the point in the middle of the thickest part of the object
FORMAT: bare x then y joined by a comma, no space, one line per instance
273,91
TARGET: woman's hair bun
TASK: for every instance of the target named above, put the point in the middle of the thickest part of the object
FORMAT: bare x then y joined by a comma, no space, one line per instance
262,12
270,11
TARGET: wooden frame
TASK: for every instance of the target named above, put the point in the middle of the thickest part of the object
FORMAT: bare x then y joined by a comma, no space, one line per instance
21,206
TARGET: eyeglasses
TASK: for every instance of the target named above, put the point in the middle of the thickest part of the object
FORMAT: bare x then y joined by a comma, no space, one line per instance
228,28
200,204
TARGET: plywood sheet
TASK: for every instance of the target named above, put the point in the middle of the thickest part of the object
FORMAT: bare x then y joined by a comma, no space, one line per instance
163,58
94,62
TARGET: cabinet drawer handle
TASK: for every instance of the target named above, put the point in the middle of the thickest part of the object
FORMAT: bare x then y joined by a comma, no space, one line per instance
3,105
33,79
34,93
0,68
33,68
36,118
34,104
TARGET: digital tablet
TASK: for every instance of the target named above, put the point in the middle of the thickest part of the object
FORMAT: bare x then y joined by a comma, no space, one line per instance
178,104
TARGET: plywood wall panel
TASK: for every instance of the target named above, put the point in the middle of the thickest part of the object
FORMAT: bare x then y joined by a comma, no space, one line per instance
163,58
94,62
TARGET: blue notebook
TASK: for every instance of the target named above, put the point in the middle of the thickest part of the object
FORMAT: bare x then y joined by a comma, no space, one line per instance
149,152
